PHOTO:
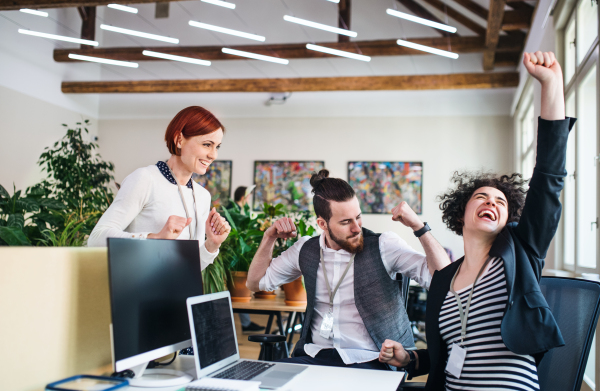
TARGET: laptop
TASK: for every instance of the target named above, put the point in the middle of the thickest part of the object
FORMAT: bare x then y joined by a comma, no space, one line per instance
216,349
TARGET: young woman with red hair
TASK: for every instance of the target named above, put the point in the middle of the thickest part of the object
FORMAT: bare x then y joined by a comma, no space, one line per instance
162,201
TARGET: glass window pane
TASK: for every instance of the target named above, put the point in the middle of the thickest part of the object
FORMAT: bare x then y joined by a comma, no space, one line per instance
568,215
527,129
570,56
528,163
587,27
586,171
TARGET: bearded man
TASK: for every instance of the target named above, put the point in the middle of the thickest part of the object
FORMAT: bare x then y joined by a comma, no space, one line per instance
354,301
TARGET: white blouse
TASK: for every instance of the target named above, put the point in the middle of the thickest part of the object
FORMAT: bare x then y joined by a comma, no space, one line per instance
143,204
350,336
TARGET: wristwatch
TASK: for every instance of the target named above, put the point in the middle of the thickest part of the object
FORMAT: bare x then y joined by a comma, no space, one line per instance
412,362
422,231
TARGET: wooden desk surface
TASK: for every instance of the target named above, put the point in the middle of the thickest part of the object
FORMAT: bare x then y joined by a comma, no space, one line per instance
277,304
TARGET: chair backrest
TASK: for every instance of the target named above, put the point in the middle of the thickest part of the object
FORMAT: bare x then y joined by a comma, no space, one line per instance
404,283
574,304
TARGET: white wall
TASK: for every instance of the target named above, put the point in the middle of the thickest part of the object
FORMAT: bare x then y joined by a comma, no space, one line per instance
27,126
443,144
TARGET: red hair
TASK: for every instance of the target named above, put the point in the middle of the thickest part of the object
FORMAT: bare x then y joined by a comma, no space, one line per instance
189,122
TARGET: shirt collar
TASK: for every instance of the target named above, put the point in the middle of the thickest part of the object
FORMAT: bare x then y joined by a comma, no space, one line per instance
326,249
164,169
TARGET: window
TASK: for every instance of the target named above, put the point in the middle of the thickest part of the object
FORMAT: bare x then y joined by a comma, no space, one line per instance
526,135
568,215
570,55
587,27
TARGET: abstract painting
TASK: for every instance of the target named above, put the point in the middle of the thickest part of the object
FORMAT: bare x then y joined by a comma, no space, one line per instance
381,186
217,181
284,182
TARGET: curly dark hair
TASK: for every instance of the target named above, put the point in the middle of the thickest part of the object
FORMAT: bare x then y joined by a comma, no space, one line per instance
453,203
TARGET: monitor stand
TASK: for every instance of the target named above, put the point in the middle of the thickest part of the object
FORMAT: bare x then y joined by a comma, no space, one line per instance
158,377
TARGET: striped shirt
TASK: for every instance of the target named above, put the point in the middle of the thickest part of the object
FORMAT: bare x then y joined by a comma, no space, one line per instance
489,365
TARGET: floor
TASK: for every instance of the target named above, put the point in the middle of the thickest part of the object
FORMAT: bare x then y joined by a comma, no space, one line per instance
251,350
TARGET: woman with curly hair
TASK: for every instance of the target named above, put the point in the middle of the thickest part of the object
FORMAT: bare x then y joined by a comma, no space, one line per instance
488,324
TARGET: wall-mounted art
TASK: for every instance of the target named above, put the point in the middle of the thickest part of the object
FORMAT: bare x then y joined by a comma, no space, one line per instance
284,182
217,181
381,186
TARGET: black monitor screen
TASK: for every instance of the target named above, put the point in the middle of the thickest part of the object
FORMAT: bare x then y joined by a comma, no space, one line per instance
214,331
150,281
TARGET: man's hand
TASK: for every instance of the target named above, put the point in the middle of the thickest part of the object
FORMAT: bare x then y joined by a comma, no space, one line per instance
217,230
172,229
393,353
283,228
404,214
545,68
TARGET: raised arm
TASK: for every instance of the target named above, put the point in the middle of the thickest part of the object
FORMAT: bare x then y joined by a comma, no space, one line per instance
541,213
283,228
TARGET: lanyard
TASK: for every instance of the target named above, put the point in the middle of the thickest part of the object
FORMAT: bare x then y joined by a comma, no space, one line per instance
464,315
332,294
193,234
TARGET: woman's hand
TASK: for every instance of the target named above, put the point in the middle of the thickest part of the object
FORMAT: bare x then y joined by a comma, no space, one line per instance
217,230
172,229
393,353
545,68
404,214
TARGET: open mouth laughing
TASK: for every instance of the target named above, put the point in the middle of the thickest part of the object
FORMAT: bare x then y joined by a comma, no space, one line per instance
487,214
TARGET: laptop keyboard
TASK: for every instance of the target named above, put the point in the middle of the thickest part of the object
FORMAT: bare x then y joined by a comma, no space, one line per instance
244,370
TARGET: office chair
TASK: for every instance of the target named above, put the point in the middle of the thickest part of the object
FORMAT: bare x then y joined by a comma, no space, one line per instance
575,304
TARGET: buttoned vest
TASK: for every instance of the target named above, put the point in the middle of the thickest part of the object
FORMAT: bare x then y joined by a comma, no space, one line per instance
377,296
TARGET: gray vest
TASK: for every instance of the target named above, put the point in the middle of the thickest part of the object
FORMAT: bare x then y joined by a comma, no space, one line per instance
377,297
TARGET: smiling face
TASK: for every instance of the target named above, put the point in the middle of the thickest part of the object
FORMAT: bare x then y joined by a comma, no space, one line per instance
198,152
344,228
486,212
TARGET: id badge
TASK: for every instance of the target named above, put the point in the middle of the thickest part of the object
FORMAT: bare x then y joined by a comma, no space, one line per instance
456,360
326,325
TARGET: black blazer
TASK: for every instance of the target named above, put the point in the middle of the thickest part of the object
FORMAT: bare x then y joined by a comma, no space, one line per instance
528,326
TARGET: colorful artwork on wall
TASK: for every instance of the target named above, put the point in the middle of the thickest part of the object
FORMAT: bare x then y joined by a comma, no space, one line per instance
284,182
217,181
381,186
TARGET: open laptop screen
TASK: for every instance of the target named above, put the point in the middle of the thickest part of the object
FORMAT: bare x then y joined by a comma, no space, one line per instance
215,337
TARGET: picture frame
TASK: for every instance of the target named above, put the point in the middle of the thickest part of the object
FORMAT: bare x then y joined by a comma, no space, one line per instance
217,181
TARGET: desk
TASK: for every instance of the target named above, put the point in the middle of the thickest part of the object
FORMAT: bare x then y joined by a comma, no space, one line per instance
314,378
274,308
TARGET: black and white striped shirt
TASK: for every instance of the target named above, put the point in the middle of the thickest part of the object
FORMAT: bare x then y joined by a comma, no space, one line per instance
489,365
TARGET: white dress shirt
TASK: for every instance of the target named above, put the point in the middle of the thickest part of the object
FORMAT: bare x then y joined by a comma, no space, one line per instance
143,205
350,336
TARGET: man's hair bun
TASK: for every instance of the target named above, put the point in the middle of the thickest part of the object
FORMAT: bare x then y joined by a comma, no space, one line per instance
317,179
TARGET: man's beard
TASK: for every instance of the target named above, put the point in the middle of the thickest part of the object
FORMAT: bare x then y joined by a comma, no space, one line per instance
346,245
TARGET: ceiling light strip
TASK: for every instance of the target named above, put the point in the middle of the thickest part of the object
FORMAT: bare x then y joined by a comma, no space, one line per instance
225,4
123,8
427,49
425,22
334,1
176,58
336,52
139,34
319,26
103,60
34,12
226,31
59,37
255,56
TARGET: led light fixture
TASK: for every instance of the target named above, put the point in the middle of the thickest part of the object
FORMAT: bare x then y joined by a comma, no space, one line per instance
427,49
59,37
319,26
225,4
138,33
123,8
334,1
255,56
176,58
426,22
336,52
103,60
226,31
34,12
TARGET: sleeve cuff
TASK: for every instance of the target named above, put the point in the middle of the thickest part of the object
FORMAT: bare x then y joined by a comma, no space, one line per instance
206,257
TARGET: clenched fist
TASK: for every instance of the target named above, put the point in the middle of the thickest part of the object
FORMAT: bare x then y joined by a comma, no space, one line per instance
173,228
404,214
283,228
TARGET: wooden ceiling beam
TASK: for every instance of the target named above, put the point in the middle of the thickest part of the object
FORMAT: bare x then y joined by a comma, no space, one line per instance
474,8
492,36
422,12
344,19
517,20
458,16
293,51
369,83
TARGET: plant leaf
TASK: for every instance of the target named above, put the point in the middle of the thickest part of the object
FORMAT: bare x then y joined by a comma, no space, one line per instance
3,192
16,220
14,236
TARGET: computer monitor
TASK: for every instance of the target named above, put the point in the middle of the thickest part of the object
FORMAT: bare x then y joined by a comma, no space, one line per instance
150,281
